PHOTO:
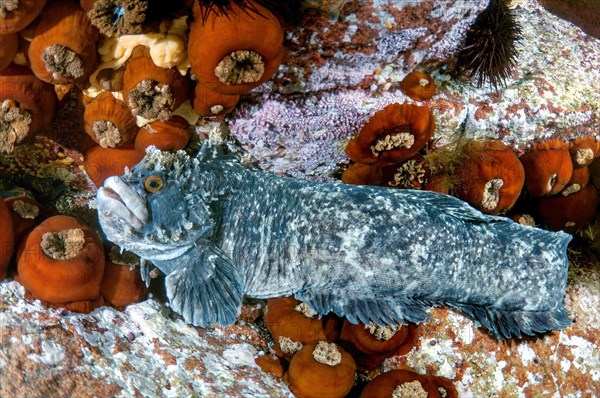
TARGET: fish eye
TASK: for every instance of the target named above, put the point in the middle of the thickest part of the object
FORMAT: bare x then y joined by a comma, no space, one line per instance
153,184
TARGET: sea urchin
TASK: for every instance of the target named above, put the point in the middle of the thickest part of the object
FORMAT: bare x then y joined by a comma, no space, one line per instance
489,52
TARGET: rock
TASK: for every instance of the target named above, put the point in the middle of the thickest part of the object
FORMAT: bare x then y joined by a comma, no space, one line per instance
583,13
142,351
553,92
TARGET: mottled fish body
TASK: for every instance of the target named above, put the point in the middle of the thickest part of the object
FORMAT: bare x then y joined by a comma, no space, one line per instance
220,230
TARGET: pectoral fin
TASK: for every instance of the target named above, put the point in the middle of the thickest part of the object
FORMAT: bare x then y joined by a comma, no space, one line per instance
207,288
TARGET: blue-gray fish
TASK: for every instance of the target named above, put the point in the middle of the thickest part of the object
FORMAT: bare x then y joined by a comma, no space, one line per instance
220,230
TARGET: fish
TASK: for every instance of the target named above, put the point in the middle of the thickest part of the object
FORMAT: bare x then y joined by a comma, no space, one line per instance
221,230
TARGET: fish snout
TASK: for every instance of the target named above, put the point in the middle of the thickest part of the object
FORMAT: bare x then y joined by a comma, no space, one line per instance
119,199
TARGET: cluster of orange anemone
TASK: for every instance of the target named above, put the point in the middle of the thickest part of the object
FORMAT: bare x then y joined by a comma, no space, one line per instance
140,83
397,132
390,150
387,150
60,260
320,356
558,175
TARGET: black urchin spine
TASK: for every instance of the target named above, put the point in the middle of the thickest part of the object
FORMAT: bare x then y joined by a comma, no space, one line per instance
489,52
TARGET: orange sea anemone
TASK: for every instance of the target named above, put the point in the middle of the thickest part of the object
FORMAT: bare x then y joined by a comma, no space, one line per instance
7,238
9,45
116,17
292,324
233,51
490,178
208,103
121,283
370,344
27,106
26,213
579,179
63,49
569,213
61,263
418,85
393,134
406,383
16,15
523,219
101,163
438,182
153,92
171,135
321,369
109,121
548,168
362,174
270,364
583,151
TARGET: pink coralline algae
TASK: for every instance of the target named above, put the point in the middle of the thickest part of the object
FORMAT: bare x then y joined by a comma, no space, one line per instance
305,137
332,53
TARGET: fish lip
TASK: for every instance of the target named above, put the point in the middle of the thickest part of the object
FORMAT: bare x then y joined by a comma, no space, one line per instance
118,198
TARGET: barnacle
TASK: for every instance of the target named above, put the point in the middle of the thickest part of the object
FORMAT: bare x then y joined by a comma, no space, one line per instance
393,134
7,238
548,168
418,86
249,49
61,263
63,49
321,369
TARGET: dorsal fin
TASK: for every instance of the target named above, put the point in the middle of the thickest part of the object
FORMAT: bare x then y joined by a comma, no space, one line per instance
458,209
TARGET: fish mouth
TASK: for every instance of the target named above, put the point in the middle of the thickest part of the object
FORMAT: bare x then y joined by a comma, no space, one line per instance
119,199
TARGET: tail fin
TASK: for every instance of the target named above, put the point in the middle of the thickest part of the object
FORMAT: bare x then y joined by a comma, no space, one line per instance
506,324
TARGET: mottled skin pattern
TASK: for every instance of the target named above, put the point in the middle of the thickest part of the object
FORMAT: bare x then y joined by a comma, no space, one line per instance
220,230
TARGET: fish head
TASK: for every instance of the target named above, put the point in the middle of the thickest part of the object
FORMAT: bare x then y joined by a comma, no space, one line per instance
158,209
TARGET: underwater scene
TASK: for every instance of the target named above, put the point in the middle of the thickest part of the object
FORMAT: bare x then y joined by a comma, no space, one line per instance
300,198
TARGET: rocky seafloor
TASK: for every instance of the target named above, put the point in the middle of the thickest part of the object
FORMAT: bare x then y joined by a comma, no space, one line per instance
337,72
